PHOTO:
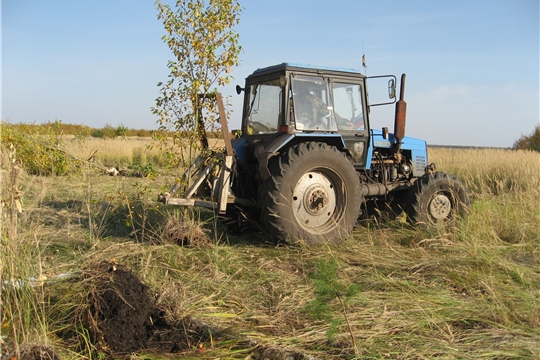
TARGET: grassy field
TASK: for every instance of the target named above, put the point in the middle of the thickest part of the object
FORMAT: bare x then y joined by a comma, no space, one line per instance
122,151
388,291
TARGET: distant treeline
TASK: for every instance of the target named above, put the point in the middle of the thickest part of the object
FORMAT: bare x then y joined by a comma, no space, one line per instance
525,142
466,147
106,132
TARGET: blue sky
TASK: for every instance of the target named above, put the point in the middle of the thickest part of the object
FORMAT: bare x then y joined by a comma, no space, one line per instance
472,66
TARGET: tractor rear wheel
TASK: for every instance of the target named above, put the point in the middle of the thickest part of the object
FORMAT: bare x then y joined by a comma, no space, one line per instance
436,199
312,195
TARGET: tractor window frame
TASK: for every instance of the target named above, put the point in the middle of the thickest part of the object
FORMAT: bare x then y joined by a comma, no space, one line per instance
360,84
310,103
348,104
271,115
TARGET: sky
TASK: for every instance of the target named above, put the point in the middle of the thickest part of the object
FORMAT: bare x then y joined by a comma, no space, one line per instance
472,66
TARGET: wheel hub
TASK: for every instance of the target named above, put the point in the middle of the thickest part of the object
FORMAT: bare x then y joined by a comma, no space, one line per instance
314,200
440,207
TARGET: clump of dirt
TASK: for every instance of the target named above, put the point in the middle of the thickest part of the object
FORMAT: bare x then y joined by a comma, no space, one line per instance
120,308
185,233
122,315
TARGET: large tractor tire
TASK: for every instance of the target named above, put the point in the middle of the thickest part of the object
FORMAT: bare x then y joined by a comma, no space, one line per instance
436,199
312,195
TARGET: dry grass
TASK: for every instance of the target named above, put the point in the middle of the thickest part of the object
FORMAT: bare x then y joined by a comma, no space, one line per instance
491,171
112,152
469,292
121,151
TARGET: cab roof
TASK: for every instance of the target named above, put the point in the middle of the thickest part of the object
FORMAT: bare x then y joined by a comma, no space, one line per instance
323,70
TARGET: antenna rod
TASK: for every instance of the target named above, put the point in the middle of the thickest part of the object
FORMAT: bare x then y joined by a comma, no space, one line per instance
364,59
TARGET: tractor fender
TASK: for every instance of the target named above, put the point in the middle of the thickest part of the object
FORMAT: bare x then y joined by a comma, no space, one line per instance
285,141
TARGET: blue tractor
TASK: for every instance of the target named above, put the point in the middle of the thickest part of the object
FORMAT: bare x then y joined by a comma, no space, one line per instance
307,162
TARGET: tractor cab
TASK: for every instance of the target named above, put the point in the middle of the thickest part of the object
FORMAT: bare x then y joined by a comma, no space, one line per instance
287,103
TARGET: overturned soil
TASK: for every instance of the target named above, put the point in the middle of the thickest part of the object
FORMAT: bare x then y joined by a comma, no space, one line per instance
123,316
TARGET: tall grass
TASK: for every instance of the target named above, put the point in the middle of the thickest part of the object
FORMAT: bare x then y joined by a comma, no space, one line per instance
118,151
491,171
22,312
466,292
122,151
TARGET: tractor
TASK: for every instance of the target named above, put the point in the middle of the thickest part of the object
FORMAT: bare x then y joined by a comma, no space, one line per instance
306,162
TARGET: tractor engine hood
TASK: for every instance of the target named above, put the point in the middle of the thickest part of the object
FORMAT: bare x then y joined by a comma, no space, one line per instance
408,143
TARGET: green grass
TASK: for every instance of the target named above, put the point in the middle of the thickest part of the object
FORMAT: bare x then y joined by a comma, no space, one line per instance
468,292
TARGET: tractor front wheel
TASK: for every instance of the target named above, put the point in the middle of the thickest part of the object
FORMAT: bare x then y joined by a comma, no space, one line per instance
313,194
436,199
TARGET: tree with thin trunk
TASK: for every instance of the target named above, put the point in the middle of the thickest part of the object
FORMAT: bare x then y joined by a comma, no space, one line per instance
201,36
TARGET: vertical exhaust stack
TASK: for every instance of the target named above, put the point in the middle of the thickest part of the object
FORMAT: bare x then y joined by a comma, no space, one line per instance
401,114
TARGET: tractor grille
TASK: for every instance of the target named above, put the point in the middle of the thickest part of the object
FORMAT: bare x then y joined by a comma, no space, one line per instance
419,164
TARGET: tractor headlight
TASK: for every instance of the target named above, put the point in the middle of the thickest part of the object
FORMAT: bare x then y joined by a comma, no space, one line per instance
405,168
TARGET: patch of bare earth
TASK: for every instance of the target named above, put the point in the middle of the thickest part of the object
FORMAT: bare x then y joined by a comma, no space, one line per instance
123,318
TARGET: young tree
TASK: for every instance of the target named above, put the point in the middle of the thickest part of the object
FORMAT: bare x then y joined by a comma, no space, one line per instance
529,142
201,35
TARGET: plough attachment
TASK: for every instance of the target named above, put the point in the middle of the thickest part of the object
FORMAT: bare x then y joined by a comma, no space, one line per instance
214,175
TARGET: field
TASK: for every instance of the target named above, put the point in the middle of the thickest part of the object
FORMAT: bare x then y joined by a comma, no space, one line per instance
93,267
122,151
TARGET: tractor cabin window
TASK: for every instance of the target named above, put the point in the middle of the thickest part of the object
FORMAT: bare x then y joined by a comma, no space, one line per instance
264,107
310,104
348,106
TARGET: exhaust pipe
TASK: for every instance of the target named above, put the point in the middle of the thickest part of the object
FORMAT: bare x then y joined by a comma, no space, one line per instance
401,114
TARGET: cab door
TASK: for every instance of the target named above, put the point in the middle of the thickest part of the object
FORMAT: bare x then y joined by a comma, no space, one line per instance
351,118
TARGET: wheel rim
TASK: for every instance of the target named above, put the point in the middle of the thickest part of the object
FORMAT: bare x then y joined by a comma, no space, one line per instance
315,201
440,207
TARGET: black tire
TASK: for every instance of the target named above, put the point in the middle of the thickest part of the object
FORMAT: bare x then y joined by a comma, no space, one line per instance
313,195
436,199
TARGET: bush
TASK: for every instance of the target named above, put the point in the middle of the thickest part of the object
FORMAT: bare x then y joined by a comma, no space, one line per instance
142,133
97,134
108,131
38,149
121,130
530,142
59,128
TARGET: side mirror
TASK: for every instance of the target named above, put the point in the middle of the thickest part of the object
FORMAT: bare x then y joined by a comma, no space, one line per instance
391,89
239,89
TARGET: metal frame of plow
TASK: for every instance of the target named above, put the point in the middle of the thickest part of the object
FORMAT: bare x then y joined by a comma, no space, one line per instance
221,189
